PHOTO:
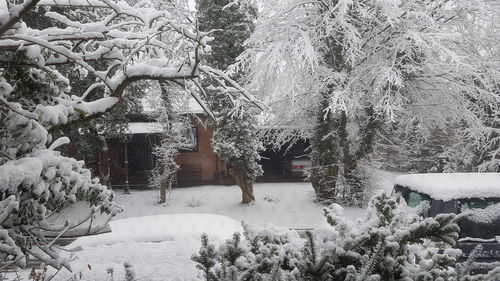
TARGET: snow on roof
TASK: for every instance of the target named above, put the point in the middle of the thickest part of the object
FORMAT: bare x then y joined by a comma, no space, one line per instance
189,106
144,128
450,186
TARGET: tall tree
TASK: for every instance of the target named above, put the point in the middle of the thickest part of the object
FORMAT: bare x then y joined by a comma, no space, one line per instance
235,138
362,64
172,139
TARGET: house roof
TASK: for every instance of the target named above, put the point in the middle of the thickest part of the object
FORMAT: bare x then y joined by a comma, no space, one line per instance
144,128
450,186
187,106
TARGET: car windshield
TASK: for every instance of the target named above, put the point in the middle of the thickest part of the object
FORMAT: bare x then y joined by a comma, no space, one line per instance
419,201
483,220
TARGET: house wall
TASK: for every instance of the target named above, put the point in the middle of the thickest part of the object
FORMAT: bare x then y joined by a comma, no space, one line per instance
197,167
201,165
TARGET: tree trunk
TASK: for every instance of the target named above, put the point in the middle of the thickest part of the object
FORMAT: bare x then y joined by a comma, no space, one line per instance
103,168
247,195
164,186
353,183
325,155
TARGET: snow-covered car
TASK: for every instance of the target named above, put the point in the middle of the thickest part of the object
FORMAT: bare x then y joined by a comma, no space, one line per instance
478,194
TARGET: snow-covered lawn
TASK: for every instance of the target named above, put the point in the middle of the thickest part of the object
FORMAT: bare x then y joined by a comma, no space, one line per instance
158,247
285,204
159,240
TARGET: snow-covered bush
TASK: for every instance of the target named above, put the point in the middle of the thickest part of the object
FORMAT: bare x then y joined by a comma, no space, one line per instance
389,244
112,43
36,187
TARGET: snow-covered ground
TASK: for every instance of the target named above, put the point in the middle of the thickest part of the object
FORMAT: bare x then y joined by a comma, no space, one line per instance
284,204
159,240
158,247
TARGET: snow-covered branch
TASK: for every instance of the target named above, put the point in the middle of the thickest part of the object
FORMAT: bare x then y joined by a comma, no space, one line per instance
110,46
14,14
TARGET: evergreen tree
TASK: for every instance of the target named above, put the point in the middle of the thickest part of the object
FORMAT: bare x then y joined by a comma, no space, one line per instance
389,244
235,138
206,259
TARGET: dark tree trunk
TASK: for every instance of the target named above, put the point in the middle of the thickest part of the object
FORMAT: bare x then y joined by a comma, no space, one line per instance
246,186
325,155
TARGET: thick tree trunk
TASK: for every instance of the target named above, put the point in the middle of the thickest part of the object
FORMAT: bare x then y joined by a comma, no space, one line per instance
324,181
247,195
325,155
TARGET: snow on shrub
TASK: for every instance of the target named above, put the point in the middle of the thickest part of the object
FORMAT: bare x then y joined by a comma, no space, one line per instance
113,43
389,244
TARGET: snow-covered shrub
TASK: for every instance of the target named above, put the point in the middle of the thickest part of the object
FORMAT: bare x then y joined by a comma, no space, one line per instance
389,244
271,199
114,45
129,272
264,254
195,202
34,188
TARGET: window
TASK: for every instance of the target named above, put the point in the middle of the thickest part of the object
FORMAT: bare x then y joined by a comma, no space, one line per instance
191,139
415,200
483,220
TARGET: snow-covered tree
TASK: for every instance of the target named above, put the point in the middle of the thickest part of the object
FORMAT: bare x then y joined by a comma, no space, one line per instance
172,139
133,43
389,244
235,137
344,66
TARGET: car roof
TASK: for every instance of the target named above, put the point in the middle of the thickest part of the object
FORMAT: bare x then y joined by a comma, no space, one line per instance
448,186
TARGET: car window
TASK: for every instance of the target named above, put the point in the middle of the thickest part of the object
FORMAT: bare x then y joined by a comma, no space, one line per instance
416,200
483,220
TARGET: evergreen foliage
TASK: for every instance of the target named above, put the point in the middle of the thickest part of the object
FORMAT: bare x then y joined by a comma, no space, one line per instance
389,244
235,137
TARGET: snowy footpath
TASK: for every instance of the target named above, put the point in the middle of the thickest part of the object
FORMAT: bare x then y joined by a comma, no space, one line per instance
159,240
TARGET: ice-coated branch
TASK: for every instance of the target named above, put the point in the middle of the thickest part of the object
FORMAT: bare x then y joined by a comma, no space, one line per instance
131,39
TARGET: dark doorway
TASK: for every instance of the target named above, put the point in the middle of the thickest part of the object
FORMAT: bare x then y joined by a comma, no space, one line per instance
277,163
140,158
